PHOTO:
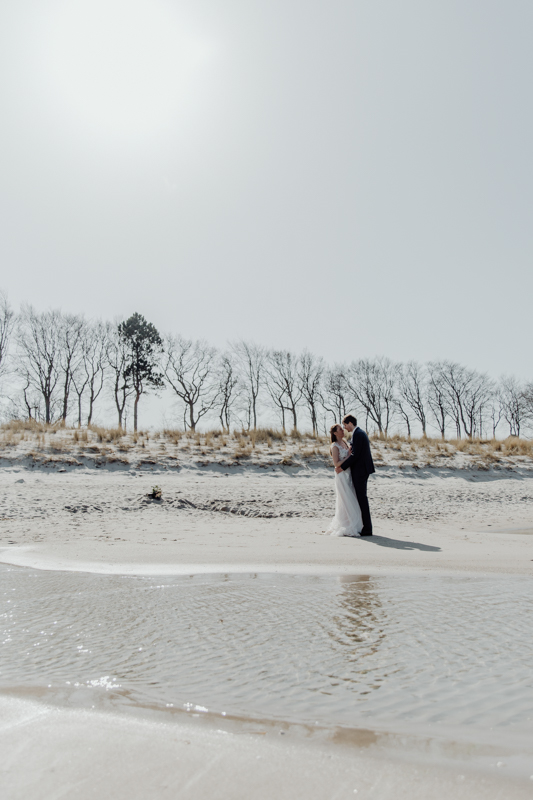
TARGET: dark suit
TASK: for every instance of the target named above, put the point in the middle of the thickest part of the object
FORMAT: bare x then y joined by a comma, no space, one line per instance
361,465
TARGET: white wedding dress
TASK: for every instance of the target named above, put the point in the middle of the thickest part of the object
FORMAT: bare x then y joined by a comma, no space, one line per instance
347,520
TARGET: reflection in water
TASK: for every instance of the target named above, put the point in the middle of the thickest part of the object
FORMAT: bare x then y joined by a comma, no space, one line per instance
298,648
358,629
360,606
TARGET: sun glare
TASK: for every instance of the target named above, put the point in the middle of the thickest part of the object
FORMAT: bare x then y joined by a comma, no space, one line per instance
122,67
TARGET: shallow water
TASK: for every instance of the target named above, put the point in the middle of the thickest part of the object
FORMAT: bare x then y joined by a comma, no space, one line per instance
389,651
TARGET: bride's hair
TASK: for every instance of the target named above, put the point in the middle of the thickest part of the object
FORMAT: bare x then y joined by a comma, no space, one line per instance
332,431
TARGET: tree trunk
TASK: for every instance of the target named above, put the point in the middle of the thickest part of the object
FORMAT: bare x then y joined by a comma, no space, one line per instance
65,399
136,403
294,420
120,408
314,421
28,406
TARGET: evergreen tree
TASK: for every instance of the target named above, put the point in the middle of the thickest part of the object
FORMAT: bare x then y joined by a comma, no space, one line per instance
144,346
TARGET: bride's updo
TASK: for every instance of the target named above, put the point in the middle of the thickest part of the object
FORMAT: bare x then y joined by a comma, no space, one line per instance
332,431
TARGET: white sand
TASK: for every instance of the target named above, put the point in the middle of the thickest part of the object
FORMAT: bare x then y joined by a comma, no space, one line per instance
261,521
248,520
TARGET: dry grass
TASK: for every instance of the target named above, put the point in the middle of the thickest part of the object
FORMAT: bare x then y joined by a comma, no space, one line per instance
515,446
59,447
287,461
117,460
243,452
472,453
9,440
264,435
260,446
107,434
314,453
213,434
18,425
173,435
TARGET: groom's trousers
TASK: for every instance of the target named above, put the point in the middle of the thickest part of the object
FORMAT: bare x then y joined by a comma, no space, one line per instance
359,484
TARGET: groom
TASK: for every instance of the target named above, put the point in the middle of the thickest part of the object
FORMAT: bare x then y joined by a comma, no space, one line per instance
361,465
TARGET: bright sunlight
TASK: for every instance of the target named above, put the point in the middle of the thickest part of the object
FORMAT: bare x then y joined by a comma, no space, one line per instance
122,67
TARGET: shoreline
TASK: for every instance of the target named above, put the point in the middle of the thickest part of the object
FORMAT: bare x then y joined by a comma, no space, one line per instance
38,559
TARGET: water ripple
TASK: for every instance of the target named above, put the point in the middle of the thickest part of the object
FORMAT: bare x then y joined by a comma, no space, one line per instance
450,650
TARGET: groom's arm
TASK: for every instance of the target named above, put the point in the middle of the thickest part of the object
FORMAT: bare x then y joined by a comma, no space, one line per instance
355,454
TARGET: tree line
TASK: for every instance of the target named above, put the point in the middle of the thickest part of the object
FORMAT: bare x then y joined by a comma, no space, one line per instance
58,367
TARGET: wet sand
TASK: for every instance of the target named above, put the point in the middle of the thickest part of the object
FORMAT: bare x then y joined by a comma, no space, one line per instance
49,752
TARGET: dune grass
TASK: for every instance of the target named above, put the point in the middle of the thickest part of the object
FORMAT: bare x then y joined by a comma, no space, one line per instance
263,445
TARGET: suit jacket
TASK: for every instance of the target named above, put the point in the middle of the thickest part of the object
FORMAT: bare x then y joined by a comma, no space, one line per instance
360,459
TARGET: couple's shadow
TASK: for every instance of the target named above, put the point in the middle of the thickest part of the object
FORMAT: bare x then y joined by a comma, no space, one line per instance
399,544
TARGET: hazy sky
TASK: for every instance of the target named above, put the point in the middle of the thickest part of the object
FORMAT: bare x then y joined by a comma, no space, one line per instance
352,177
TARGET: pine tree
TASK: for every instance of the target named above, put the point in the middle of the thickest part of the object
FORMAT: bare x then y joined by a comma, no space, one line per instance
144,346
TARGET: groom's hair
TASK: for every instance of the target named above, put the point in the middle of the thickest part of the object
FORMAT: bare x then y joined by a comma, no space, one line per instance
350,418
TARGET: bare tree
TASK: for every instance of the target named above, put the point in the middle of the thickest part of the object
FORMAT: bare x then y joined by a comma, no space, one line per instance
373,386
39,354
89,376
495,410
71,333
282,369
437,396
226,392
7,322
404,410
412,393
117,357
311,374
334,397
528,402
250,359
468,392
189,368
513,400
276,389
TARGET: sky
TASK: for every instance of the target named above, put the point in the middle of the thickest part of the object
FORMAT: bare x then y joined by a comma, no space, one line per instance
350,177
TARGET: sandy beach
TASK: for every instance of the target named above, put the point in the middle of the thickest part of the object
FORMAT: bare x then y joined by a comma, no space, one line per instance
248,519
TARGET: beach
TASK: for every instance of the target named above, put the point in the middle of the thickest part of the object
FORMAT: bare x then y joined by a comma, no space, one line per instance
246,518
217,520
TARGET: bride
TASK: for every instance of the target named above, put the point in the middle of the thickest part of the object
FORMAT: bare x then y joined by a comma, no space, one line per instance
347,520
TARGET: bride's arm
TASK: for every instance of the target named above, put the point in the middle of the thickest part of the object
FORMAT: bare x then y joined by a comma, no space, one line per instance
335,455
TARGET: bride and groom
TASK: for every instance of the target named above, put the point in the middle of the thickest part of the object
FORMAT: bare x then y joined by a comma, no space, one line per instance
353,465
